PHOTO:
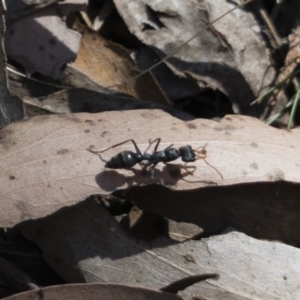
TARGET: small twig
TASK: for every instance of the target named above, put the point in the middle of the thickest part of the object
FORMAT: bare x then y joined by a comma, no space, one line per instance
268,21
10,69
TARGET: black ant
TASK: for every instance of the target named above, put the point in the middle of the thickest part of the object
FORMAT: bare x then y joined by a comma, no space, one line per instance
127,159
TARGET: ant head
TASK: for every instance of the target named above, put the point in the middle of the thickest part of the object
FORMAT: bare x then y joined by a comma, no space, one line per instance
201,153
187,153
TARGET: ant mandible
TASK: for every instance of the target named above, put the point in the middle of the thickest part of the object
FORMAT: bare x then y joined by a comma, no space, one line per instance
127,159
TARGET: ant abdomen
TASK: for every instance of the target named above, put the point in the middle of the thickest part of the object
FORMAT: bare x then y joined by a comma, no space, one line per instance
125,159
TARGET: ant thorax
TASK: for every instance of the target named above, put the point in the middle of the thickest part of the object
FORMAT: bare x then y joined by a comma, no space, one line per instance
171,154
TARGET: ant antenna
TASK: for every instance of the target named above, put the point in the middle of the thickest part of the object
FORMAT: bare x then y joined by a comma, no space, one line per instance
213,168
202,155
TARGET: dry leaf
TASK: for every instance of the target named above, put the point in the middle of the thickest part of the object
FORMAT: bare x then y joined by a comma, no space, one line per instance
279,99
13,280
26,258
109,64
173,86
97,249
45,164
84,243
11,108
230,55
285,15
49,44
181,231
19,8
95,291
97,100
267,210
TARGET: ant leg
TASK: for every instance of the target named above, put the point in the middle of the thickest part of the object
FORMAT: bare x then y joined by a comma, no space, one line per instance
145,166
152,169
152,164
185,167
156,146
152,142
168,147
135,146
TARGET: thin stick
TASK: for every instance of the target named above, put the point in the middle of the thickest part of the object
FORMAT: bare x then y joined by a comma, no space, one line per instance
295,105
10,69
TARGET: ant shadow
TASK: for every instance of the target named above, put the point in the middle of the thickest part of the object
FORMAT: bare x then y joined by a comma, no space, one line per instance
169,175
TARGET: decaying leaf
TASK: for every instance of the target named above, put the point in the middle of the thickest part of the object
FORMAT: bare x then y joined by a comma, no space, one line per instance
45,164
41,42
230,55
84,243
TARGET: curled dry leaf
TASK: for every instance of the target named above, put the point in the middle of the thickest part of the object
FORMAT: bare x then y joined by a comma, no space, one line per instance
84,243
230,55
45,164
94,291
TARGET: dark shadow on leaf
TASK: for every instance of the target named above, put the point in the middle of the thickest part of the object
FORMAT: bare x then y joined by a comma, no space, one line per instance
268,210
228,79
110,180
87,232
83,100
